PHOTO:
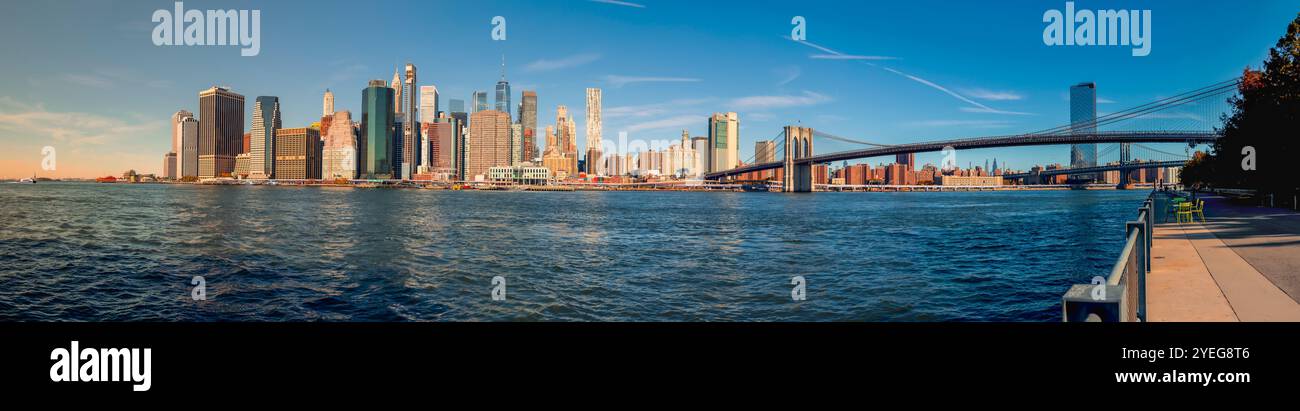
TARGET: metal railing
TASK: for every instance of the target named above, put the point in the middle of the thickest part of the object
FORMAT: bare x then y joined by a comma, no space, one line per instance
1121,296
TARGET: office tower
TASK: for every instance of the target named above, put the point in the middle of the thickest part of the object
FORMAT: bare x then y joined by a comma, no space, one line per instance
593,132
1083,116
503,90
396,85
410,124
701,146
266,119
328,106
247,145
221,127
296,155
764,152
516,140
528,122
187,159
460,127
724,141
375,144
442,143
455,105
169,165
398,147
176,131
428,103
339,154
908,160
480,102
489,142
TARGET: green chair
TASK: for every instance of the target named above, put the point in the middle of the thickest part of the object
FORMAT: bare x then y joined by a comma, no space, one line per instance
1185,210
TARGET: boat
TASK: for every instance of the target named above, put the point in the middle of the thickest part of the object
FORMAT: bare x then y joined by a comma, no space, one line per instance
756,188
28,180
109,179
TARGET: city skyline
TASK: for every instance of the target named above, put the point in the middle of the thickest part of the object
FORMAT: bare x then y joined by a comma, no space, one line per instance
114,117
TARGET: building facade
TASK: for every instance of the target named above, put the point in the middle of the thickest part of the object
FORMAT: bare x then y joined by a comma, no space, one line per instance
528,122
296,155
375,146
489,142
1083,116
339,154
221,131
724,141
266,119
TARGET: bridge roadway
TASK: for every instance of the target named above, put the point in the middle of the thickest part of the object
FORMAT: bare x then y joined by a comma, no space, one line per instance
989,142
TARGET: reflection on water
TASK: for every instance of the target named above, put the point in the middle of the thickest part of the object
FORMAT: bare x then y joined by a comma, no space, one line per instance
118,252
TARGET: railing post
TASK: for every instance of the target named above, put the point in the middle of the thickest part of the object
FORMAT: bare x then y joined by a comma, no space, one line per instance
1144,263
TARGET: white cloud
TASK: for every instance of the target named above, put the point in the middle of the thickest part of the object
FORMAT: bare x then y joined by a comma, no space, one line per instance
963,123
72,128
993,95
788,74
620,81
562,63
848,57
619,3
667,123
808,98
987,110
653,109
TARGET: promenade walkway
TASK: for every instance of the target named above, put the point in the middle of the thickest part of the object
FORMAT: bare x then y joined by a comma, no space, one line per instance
1242,265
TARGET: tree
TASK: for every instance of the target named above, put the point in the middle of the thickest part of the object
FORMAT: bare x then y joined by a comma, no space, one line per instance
1264,115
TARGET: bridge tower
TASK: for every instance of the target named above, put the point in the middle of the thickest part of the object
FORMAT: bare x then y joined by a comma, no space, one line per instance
798,175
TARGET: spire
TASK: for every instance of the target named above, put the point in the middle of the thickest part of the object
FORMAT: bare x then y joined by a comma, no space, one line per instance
503,67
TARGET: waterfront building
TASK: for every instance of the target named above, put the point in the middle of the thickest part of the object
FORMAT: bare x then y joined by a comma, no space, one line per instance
428,103
1083,117
503,90
266,119
296,155
242,165
169,165
339,153
724,141
442,147
528,122
520,174
177,142
970,180
489,142
375,145
221,127
187,158
594,137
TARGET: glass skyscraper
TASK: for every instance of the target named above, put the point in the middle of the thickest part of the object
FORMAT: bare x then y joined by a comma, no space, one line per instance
377,102
480,101
1083,116
503,90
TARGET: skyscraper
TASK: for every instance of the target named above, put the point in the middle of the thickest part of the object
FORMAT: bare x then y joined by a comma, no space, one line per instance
172,166
328,104
374,147
296,153
188,158
1083,116
594,156
528,122
764,151
455,105
503,90
221,131
908,160
266,119
428,103
480,102
339,155
489,142
396,85
724,141
410,124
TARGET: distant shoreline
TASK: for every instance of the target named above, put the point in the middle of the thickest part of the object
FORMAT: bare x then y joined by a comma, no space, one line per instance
482,186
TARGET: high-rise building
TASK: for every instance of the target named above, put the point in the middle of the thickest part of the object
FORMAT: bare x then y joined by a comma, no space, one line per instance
375,145
221,129
724,141
503,90
480,102
428,103
528,122
187,159
702,152
396,85
296,155
442,144
594,154
489,142
765,152
177,144
516,141
398,146
1083,116
339,154
328,104
455,105
410,124
266,119
908,160
169,165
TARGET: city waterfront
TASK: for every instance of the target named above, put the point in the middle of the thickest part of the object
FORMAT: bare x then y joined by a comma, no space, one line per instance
114,252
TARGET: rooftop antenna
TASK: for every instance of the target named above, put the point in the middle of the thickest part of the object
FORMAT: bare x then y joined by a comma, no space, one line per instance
503,67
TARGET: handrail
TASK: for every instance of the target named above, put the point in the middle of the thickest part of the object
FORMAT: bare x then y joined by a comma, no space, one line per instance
1122,295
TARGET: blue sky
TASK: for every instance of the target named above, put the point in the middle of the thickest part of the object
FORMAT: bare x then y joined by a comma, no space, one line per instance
84,76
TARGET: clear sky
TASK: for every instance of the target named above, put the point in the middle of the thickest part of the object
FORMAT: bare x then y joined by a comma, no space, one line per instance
84,76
